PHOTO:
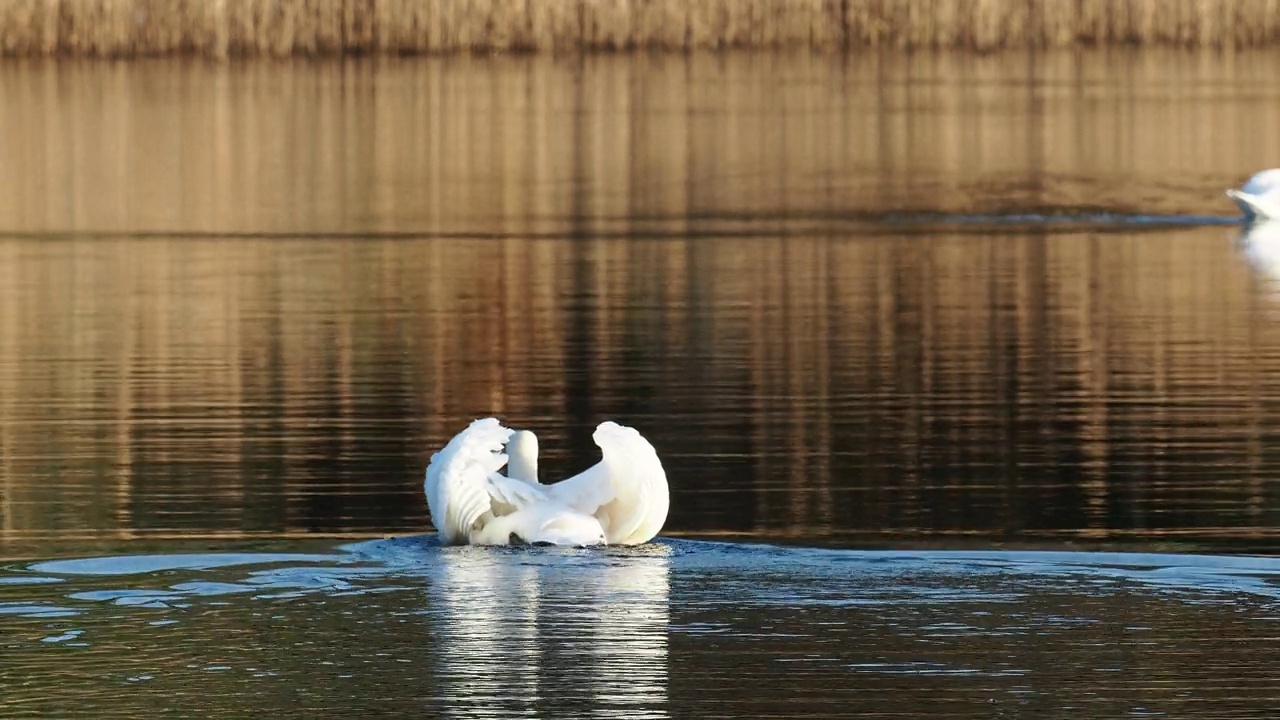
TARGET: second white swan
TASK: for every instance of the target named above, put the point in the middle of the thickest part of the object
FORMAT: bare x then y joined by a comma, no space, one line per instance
1259,198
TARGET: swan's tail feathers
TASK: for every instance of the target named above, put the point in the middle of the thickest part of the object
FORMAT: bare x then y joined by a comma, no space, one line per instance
457,484
1254,206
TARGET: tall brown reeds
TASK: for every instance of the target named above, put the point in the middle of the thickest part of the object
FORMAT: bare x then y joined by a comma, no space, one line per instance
287,27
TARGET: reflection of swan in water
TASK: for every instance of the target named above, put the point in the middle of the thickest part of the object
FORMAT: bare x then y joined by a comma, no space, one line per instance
629,632
1260,242
486,607
1260,196
550,635
622,499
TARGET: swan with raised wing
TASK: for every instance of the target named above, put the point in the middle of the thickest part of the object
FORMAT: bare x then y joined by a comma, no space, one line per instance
1259,198
621,500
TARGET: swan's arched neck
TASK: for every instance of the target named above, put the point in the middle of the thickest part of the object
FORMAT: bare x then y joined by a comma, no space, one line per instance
522,456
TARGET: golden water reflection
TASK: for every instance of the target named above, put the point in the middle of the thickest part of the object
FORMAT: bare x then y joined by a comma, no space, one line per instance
1009,384
253,298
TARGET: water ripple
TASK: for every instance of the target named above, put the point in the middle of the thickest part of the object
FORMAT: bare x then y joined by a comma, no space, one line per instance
657,631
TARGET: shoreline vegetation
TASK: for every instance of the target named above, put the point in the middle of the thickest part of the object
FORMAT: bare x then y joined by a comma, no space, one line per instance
228,28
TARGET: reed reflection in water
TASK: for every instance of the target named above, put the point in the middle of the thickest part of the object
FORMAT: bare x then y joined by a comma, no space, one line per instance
732,142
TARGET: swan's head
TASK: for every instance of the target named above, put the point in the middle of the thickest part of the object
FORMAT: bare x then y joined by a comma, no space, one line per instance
522,456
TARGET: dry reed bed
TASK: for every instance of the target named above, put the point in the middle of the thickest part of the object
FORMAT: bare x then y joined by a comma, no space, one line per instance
287,27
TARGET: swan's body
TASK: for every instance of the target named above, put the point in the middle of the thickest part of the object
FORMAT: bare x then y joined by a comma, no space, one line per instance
621,500
540,522
1259,198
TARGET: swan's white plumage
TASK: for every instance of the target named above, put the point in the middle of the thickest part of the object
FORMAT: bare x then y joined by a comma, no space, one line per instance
1259,197
1263,182
541,523
623,499
517,494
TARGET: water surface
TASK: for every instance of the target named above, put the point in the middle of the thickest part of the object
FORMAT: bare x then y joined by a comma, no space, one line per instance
921,308
674,629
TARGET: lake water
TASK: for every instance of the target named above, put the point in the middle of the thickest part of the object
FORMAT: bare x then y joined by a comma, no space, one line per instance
962,369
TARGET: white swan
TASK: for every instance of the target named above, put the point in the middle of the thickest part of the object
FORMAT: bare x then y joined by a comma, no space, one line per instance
1260,196
621,500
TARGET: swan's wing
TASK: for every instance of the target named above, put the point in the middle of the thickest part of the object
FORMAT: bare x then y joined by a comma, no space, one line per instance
626,491
457,483
517,493
587,491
